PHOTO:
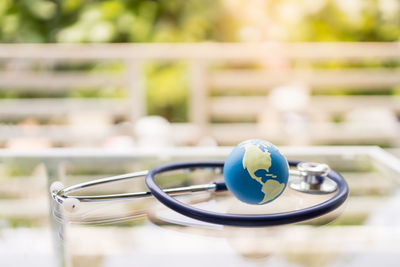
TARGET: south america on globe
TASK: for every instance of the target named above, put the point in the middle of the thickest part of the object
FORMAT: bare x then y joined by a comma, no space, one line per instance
256,172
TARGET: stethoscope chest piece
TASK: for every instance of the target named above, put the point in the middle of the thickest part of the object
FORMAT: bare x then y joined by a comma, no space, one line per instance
312,178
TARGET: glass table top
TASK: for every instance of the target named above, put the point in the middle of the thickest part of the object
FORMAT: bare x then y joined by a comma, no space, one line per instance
36,231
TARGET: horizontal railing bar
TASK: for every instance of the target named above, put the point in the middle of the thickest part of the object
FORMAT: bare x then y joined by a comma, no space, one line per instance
318,133
61,106
223,51
261,80
56,133
57,81
183,133
97,154
221,107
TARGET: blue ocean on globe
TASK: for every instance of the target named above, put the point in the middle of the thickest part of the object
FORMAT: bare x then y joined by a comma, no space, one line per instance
256,172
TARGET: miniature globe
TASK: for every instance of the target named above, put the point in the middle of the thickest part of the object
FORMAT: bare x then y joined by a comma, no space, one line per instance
256,172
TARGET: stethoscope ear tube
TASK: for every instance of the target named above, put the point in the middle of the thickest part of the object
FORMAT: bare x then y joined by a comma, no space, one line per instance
246,220
220,186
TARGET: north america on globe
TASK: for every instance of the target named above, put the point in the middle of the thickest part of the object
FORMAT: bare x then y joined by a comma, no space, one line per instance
257,161
256,172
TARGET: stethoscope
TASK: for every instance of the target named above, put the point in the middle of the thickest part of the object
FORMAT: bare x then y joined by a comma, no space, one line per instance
307,177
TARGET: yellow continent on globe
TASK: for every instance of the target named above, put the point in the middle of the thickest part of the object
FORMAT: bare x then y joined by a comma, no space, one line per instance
255,159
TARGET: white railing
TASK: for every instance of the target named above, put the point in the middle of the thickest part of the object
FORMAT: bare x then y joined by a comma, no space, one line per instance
220,97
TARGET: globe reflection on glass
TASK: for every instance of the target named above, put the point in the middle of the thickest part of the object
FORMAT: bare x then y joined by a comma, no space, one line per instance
256,172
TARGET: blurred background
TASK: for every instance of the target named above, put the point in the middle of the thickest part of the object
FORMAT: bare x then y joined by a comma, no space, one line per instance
104,78
122,74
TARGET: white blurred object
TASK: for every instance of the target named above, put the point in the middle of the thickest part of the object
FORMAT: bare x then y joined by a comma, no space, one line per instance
296,126
373,118
294,97
153,131
286,109
295,123
91,124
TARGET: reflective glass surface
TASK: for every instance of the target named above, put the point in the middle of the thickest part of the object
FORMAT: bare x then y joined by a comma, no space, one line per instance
36,231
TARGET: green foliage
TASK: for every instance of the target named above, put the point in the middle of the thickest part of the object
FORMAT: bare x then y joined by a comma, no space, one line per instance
107,21
105,92
167,91
365,22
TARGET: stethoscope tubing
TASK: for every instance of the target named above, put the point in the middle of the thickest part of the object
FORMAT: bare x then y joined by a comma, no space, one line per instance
246,220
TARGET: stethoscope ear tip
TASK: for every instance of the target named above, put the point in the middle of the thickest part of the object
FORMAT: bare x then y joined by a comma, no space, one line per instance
71,204
56,187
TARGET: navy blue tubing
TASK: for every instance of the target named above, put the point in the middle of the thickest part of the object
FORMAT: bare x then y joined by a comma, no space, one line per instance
248,220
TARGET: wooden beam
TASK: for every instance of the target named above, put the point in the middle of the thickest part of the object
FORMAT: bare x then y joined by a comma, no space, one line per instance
318,133
252,106
314,51
22,80
263,81
60,106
